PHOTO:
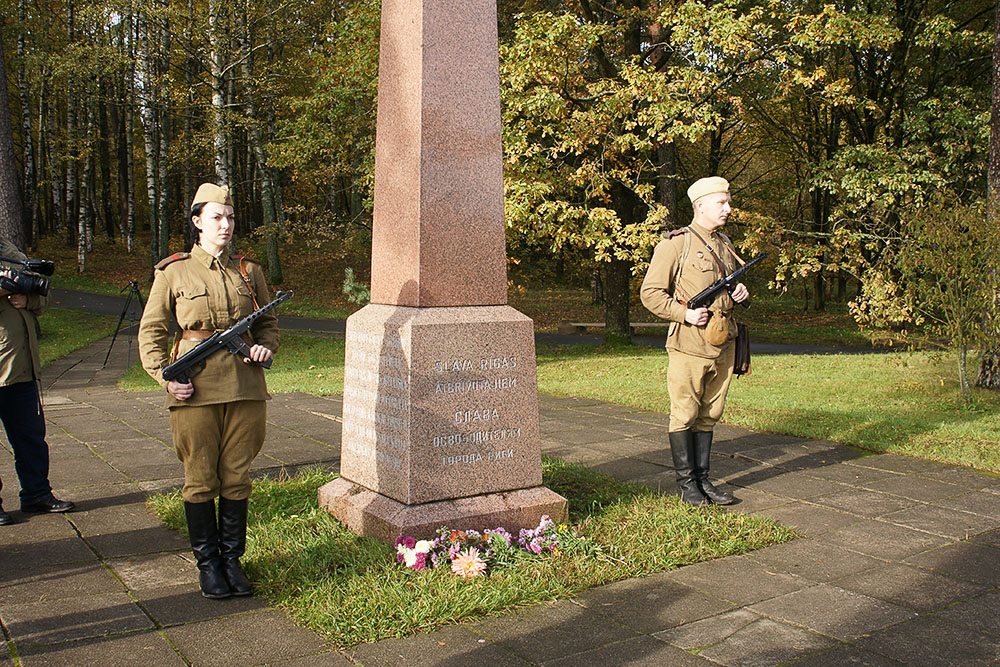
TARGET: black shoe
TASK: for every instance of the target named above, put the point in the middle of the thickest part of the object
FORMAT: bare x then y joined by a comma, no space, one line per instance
682,450
50,505
232,544
702,459
5,519
205,544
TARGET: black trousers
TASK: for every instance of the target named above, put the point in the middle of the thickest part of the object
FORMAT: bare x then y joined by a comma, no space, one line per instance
21,414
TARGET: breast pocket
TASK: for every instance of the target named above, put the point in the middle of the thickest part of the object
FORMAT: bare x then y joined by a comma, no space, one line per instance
193,311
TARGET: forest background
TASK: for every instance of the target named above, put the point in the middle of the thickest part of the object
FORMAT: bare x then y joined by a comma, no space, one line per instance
856,135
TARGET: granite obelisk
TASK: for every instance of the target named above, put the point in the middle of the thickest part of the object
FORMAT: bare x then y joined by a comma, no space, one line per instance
440,421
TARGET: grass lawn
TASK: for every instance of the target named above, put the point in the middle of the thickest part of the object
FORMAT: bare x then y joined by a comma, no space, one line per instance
903,402
351,590
64,331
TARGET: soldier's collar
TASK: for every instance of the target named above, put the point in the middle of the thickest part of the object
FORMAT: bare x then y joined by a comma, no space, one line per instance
203,256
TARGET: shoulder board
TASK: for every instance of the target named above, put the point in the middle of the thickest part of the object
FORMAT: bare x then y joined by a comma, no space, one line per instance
167,261
677,232
237,258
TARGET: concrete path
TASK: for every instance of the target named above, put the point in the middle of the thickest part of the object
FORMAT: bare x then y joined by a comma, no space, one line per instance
901,563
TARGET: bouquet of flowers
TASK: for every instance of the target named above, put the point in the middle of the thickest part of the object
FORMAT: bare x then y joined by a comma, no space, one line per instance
469,552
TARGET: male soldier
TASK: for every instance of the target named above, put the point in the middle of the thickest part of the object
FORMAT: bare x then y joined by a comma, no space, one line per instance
699,341
20,405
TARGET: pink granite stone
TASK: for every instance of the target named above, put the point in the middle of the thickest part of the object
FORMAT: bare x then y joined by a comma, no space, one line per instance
368,513
438,229
440,423
440,402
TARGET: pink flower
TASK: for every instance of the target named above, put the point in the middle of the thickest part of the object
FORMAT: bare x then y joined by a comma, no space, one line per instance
468,563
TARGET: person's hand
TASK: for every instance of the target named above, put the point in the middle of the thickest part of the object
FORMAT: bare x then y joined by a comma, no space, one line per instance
5,273
18,300
698,317
259,353
181,392
741,293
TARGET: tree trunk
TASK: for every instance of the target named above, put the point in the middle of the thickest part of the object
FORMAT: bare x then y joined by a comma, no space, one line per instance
163,175
149,126
667,177
129,175
69,218
989,365
30,221
11,206
617,280
267,190
216,70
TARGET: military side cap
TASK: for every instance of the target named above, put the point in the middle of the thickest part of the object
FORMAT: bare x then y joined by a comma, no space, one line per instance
209,192
707,186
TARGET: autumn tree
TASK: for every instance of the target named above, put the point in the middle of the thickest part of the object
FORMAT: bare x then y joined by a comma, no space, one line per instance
591,95
11,220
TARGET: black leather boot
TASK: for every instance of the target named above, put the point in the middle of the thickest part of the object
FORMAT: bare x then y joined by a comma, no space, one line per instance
702,461
682,449
233,542
205,545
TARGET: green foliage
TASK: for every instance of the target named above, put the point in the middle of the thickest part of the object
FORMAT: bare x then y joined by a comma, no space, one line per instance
939,277
356,292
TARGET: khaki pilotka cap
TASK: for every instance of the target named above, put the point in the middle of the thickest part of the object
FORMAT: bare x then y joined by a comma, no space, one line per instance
209,192
707,186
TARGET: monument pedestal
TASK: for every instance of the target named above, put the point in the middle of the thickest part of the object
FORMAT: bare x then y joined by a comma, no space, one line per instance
440,423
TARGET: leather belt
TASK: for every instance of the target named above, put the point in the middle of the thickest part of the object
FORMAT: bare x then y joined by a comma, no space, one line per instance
194,334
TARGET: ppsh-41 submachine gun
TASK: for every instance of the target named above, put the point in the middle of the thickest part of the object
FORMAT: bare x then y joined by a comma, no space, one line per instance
231,339
703,298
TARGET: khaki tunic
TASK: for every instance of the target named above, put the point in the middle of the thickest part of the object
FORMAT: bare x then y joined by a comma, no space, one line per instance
19,357
700,373
204,293
662,297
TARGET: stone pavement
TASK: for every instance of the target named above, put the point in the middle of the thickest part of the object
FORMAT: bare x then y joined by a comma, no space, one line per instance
900,563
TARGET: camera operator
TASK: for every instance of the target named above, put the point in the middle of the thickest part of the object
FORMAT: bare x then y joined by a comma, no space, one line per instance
20,401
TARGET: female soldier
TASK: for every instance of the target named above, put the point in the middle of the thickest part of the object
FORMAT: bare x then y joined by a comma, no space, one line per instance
218,418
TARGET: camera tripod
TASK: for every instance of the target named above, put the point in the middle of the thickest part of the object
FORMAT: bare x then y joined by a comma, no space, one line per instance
133,288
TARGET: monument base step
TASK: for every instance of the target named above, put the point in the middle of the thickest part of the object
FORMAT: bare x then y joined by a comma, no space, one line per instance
368,513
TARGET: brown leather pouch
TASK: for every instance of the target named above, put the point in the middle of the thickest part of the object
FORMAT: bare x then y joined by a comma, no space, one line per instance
717,329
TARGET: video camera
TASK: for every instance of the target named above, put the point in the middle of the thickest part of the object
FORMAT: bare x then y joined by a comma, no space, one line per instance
27,282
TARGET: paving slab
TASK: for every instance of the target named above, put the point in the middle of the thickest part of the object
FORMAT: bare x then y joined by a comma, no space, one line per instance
236,640
744,639
68,619
652,603
552,630
638,652
842,656
962,560
148,648
455,645
810,519
864,502
981,613
796,484
951,523
933,641
833,612
43,581
814,559
881,539
184,604
738,579
910,587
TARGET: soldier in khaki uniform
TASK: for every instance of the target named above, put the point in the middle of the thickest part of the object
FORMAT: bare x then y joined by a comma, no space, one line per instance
218,418
20,404
699,342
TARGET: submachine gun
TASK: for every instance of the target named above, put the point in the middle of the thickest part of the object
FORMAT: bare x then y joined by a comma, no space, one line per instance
729,283
231,339
26,282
